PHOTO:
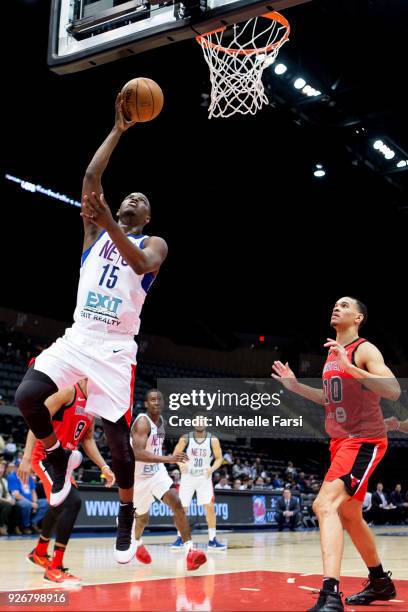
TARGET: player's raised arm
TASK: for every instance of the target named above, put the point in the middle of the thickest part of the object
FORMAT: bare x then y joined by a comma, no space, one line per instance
285,375
370,368
140,433
93,174
148,259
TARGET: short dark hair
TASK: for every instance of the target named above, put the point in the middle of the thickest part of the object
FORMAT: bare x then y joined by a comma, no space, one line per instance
362,309
149,392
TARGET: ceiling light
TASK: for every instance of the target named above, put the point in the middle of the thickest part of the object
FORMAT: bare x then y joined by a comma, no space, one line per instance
299,83
280,69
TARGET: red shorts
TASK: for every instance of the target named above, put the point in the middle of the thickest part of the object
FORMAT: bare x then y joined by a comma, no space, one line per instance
353,460
41,471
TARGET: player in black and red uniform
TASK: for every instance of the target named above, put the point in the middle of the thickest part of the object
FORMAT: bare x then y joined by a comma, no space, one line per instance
355,377
72,425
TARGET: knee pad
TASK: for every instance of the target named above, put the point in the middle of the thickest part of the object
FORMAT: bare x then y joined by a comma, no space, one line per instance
30,396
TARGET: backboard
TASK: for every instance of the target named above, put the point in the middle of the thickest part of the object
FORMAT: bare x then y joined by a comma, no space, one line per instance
87,33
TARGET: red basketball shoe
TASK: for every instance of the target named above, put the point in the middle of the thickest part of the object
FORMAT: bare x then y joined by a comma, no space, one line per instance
195,558
142,554
60,575
40,560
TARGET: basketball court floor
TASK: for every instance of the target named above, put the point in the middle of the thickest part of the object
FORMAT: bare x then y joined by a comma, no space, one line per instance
262,570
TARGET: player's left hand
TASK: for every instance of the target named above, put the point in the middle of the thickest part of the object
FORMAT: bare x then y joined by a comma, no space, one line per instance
209,472
109,476
96,210
391,424
340,352
24,470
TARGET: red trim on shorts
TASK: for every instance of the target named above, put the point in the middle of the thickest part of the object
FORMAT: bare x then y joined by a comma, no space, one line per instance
128,413
42,476
353,460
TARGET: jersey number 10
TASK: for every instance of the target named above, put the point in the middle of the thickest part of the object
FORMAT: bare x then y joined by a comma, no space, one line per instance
333,390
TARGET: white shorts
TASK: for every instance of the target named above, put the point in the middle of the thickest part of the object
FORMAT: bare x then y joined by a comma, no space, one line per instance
195,484
149,487
109,364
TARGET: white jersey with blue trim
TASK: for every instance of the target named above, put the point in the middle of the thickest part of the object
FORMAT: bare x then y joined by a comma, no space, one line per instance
199,453
154,445
110,294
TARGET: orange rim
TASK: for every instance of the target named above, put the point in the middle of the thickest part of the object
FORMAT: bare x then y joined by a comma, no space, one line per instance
273,16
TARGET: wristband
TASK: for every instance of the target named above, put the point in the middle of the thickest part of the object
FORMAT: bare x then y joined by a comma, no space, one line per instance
105,467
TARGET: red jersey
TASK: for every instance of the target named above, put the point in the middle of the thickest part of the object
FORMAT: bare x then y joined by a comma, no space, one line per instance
352,410
70,424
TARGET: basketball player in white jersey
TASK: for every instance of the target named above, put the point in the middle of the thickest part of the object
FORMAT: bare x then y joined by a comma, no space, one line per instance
152,480
118,265
196,476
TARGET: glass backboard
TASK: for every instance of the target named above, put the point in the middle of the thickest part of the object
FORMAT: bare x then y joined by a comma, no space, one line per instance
87,33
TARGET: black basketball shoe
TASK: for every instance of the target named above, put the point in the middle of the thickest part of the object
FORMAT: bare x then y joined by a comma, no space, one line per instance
381,589
328,602
60,464
125,546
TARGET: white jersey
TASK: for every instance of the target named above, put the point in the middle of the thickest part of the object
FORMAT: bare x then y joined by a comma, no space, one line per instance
110,294
199,454
154,445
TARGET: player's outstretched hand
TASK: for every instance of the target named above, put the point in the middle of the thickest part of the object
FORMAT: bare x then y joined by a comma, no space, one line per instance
284,374
109,476
96,210
121,123
24,471
177,458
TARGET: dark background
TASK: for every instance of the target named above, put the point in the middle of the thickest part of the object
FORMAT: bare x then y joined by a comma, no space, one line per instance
256,243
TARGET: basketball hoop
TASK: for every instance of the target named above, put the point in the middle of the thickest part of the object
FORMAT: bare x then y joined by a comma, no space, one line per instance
236,66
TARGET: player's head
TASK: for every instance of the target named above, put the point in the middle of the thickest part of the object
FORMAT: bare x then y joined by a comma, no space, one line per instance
200,422
135,210
348,312
154,402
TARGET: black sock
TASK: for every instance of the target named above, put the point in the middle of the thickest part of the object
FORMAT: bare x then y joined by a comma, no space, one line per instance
331,584
377,572
126,507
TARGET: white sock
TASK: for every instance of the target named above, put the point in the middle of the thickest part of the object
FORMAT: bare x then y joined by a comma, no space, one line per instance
51,448
188,546
211,533
139,542
178,534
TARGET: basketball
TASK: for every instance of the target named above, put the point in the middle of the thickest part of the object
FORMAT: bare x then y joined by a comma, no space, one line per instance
142,99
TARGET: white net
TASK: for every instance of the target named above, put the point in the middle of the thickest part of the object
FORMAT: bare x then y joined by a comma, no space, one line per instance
237,58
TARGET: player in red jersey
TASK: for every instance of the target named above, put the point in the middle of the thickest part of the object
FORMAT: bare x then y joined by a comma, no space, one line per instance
355,377
72,425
